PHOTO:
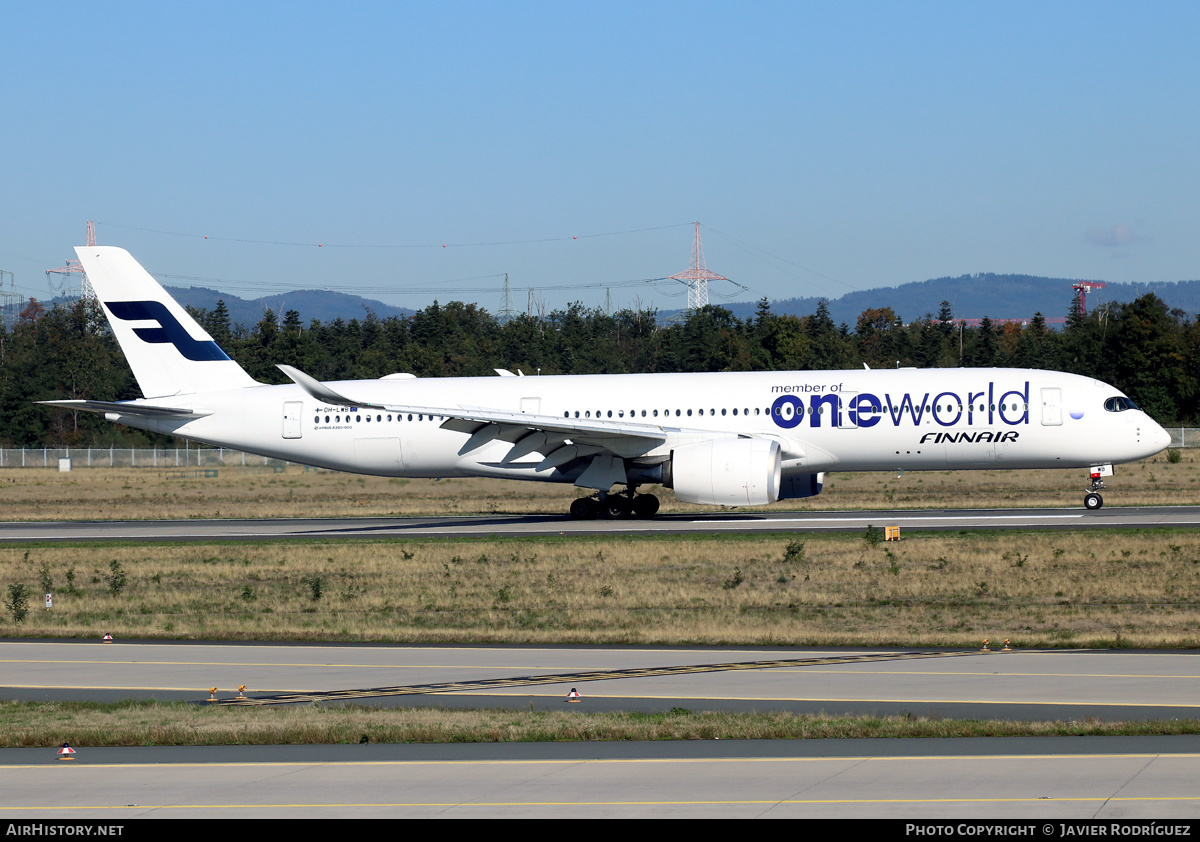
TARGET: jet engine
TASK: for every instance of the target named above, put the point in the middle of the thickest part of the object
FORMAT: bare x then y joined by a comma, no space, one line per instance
726,472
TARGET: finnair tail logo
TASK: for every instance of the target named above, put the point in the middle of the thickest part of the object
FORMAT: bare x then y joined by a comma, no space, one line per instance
170,331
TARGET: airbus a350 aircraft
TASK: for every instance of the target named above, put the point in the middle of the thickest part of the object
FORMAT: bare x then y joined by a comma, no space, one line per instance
727,439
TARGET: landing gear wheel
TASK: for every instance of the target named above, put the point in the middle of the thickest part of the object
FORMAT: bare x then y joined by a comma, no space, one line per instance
616,507
583,508
1092,501
645,505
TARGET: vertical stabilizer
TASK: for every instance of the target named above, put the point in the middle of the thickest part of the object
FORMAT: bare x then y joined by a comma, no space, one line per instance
169,353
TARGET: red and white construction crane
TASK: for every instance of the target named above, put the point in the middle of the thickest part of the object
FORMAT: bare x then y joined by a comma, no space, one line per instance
1082,288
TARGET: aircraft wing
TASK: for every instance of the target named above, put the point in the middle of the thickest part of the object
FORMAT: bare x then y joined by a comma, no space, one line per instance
130,408
560,439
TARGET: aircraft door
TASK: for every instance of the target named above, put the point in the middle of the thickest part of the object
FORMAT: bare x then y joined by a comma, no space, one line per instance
847,419
1051,407
531,406
291,419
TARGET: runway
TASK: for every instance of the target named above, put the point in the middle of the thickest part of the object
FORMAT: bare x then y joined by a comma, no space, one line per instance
1113,517
1080,778
1018,685
1051,778
1075,777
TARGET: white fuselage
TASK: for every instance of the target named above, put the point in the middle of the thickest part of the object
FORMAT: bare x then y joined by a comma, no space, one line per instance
906,419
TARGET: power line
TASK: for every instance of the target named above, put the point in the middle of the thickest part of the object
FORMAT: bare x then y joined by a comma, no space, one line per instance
557,239
755,251
418,289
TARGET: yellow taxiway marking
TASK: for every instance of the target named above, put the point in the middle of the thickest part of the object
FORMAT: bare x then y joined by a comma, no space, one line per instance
366,694
400,647
289,664
707,697
1032,799
311,764
492,667
140,689
598,648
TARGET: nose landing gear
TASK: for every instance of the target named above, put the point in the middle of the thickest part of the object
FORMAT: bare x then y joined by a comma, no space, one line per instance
1092,500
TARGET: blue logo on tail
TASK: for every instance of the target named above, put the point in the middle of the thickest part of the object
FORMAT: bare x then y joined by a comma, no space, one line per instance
170,331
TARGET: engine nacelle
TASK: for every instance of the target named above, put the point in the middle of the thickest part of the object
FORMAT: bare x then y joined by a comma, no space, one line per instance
726,472
796,486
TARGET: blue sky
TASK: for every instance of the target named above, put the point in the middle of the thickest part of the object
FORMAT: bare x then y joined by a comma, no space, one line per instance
823,147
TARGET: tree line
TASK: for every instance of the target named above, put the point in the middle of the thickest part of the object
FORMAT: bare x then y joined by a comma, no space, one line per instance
1148,351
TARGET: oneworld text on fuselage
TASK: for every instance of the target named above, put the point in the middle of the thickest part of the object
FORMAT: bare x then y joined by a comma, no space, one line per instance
832,405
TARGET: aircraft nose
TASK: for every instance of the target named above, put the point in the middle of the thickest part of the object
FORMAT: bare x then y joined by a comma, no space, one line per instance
1160,438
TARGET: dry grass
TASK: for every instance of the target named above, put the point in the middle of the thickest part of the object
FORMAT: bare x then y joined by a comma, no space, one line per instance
148,493
1047,588
154,723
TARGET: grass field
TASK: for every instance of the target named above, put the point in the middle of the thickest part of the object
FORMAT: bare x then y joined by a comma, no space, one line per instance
158,723
1041,589
150,493
1053,588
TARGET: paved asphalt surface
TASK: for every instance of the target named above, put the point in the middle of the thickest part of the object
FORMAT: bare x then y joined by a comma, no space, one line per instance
527,525
1037,778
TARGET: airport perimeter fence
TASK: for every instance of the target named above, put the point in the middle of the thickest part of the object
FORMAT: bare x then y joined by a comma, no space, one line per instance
134,457
221,457
1184,436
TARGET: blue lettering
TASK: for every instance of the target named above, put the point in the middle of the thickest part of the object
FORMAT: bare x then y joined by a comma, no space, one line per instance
866,410
971,397
815,410
897,412
862,410
787,418
956,406
1023,418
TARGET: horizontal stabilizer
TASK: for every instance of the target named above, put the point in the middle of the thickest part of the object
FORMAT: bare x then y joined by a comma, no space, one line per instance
144,410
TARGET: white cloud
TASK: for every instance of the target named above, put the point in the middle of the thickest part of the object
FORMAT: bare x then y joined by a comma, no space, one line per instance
1113,236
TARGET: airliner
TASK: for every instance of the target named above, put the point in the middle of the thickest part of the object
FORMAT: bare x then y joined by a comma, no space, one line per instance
729,439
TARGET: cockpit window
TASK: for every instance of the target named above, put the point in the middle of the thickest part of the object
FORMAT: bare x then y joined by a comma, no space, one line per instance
1120,404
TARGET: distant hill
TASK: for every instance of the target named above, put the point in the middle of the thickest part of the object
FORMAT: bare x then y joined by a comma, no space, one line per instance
309,303
976,296
972,297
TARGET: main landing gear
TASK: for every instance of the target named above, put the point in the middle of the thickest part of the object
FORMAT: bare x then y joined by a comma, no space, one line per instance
624,504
